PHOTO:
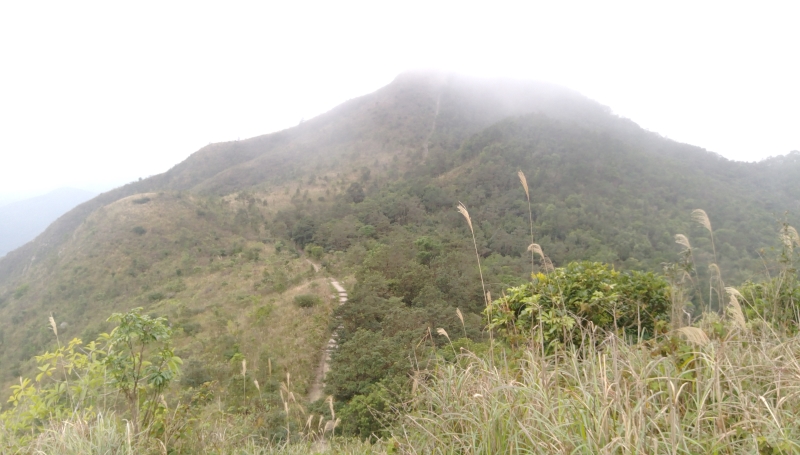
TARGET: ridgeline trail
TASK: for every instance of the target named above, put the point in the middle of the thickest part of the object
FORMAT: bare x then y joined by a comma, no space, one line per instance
315,393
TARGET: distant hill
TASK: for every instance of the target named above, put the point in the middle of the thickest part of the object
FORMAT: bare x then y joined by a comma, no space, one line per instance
22,221
371,188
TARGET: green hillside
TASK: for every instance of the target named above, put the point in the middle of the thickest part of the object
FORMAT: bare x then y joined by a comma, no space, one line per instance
204,264
369,190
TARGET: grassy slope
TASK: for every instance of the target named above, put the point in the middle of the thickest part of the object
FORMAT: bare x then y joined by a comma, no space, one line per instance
193,260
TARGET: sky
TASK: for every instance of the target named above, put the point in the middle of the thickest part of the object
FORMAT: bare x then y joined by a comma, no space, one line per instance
97,94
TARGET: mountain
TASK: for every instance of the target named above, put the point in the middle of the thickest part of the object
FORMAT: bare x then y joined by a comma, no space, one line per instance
370,189
22,221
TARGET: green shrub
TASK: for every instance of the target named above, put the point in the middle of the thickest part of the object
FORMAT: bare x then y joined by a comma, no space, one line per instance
138,230
252,254
195,374
135,359
582,294
190,328
314,251
307,300
21,291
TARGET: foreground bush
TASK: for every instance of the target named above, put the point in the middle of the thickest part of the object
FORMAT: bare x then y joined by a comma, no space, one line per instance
551,307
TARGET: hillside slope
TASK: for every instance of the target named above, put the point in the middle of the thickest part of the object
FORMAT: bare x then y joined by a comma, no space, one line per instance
226,291
386,128
370,187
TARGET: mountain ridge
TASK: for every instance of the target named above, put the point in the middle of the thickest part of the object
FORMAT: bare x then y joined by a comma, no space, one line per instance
227,162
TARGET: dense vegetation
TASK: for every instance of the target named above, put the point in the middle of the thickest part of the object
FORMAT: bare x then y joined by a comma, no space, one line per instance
219,246
575,382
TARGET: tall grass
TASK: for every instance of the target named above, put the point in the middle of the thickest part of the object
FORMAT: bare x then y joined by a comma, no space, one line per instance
524,183
722,396
725,386
230,434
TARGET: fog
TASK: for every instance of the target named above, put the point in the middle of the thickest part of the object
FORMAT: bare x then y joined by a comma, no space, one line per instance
93,95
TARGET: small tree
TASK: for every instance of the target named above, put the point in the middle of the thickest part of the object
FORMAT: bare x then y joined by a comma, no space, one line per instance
140,362
355,193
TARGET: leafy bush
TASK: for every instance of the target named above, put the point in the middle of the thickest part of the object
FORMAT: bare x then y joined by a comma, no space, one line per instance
141,200
314,251
582,294
252,254
138,230
776,300
135,359
190,327
21,291
307,300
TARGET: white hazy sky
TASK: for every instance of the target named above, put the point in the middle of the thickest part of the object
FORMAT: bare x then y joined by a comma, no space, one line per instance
95,94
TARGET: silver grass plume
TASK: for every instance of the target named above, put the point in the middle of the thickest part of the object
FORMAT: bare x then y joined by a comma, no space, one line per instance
700,216
524,182
695,335
681,240
537,249
53,324
734,309
462,209
789,237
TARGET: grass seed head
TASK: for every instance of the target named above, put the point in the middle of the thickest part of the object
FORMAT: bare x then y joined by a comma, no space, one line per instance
329,400
681,239
462,209
700,216
524,182
793,234
695,335
790,237
537,249
53,324
734,309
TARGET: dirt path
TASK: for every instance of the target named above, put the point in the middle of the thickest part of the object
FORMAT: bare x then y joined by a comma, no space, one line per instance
315,393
